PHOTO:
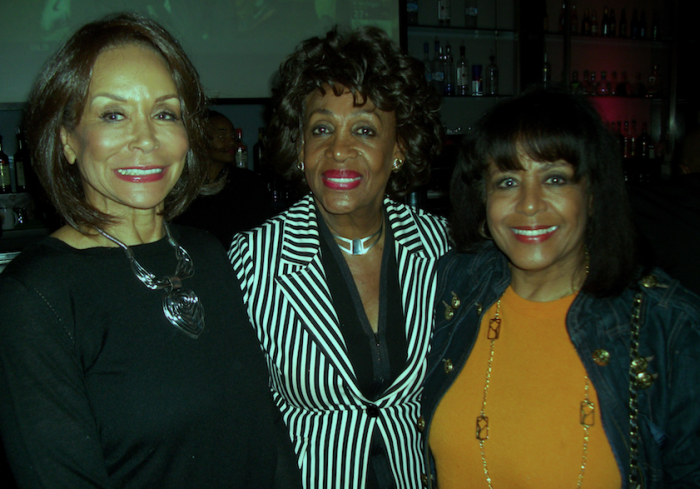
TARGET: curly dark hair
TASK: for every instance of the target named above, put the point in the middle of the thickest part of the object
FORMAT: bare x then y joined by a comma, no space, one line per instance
550,125
372,67
58,98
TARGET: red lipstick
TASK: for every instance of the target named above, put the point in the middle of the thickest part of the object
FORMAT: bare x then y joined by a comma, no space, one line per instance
341,179
142,174
533,234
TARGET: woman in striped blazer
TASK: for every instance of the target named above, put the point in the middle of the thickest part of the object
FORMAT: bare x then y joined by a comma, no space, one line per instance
340,287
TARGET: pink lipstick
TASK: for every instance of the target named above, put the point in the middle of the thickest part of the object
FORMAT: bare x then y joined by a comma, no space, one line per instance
533,234
341,179
144,174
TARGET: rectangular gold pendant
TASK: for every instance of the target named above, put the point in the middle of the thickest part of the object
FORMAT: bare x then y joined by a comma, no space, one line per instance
482,428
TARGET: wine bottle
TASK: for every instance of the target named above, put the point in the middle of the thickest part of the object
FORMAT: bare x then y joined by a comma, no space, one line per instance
437,67
259,153
241,151
462,80
5,179
449,71
21,162
491,83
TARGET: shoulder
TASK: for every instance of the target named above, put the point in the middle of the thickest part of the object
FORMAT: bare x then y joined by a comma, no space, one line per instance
485,260
668,296
409,223
46,258
294,225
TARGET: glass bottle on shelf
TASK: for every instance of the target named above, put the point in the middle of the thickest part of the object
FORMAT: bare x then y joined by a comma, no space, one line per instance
586,24
491,85
412,12
643,25
574,19
655,27
634,25
437,67
449,71
613,83
462,74
626,140
594,85
605,23
654,87
471,14
21,163
426,61
574,86
477,81
5,179
444,15
259,153
546,72
594,24
562,17
622,31
643,142
612,24
603,87
241,151
632,139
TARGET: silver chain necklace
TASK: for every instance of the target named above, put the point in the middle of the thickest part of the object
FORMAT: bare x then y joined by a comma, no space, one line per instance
180,306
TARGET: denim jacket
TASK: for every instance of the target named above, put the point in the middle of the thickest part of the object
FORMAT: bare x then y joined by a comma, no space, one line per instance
669,409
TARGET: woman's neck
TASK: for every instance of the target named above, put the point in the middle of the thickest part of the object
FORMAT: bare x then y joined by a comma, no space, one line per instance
357,225
548,285
139,229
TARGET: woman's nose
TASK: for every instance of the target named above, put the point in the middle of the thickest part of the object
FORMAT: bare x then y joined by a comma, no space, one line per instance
531,199
144,135
341,147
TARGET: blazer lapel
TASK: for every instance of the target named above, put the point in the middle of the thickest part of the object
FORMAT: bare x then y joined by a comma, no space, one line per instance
304,286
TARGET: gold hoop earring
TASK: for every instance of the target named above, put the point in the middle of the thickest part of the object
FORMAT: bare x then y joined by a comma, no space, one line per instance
482,231
398,163
300,166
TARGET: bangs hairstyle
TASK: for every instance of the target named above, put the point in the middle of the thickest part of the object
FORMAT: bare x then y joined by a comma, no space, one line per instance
372,67
548,126
59,96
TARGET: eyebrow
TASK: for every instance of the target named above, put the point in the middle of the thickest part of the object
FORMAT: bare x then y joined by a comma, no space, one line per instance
122,99
358,110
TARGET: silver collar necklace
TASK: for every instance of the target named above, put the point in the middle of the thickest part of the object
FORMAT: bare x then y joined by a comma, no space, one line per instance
180,306
357,246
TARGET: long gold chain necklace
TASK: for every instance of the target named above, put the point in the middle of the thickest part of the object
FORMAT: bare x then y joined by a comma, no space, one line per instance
586,416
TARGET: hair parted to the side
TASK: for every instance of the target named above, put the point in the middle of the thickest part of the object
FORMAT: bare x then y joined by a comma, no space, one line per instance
372,67
58,98
550,125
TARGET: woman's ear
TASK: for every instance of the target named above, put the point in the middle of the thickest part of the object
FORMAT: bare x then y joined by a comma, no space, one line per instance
68,150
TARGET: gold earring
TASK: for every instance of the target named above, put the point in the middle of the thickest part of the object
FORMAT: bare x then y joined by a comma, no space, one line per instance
398,163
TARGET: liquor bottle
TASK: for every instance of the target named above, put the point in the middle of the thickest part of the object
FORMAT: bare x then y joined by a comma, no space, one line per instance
594,24
438,75
634,25
426,62
471,14
412,12
612,24
594,85
575,86
613,83
586,83
21,162
603,88
655,27
241,151
462,74
574,19
5,180
259,153
632,139
626,140
546,72
562,18
491,84
643,25
449,71
444,12
654,86
477,81
622,31
605,24
643,142
586,24
628,87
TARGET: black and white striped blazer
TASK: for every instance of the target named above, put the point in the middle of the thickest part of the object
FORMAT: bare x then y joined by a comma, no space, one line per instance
312,380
